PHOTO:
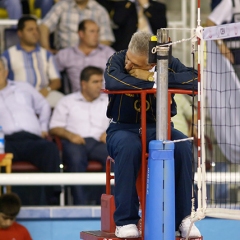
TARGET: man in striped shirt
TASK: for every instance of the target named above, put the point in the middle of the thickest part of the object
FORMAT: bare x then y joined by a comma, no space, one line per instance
64,18
28,62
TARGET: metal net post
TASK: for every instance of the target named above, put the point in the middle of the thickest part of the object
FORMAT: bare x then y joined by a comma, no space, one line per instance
162,86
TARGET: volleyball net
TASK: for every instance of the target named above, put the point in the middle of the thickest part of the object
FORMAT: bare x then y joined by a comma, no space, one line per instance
215,116
220,120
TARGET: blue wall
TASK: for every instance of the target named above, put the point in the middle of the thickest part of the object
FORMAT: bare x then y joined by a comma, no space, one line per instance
59,229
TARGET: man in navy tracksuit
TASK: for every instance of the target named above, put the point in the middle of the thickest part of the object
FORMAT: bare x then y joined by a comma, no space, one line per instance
129,69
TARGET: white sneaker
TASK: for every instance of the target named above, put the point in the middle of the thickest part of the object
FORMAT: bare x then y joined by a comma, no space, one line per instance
184,228
127,231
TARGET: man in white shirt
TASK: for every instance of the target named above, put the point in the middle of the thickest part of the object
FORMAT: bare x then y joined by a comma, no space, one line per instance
24,118
79,119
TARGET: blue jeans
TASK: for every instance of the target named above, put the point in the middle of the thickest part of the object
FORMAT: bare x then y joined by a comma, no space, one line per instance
76,157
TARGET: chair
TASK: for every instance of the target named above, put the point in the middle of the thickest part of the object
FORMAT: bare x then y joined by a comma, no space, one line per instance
6,161
10,37
65,83
34,11
20,167
3,13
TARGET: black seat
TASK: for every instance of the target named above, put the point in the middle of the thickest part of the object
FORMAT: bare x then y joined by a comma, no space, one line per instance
10,37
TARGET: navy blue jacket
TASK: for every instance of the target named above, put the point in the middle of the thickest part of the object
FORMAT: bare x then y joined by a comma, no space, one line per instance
125,108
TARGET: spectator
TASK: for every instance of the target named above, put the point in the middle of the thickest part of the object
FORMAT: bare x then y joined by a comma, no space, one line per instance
132,15
10,205
80,120
87,52
28,62
129,69
219,16
64,17
24,118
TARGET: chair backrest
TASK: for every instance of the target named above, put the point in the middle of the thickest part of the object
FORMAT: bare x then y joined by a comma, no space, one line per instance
10,37
65,86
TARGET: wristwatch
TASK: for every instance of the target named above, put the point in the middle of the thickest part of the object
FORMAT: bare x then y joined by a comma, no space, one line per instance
49,89
150,78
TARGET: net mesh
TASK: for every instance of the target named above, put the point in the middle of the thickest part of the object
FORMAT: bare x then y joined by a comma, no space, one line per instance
222,127
219,184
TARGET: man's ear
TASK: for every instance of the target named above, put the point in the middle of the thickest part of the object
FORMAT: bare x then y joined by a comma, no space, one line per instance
83,84
80,34
19,33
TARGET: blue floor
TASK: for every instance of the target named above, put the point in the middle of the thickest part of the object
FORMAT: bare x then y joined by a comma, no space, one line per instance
57,223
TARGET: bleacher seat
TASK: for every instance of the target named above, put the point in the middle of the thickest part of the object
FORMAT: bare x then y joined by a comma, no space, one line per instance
3,13
10,37
23,166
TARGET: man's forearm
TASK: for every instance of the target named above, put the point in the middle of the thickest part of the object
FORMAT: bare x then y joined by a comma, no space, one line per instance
44,36
210,23
60,132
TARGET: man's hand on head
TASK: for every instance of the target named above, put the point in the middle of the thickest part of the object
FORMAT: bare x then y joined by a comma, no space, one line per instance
140,73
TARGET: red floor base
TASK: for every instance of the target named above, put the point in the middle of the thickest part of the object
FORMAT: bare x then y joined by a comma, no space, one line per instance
99,235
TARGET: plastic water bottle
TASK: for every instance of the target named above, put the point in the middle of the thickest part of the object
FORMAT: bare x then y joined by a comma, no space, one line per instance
2,143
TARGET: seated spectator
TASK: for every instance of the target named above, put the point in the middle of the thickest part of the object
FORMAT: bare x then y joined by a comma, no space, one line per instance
10,205
64,17
80,121
28,62
87,52
24,118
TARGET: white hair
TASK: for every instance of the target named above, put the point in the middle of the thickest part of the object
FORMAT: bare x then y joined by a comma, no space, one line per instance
139,43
